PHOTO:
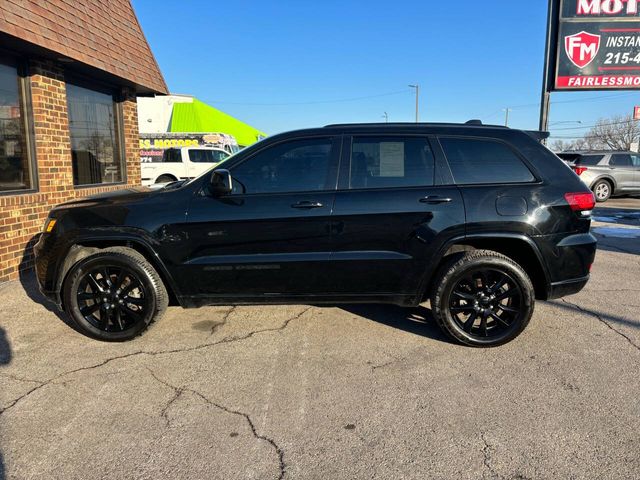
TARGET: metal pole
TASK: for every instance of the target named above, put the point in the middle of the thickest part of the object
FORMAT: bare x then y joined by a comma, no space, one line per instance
417,87
386,117
506,120
417,103
549,63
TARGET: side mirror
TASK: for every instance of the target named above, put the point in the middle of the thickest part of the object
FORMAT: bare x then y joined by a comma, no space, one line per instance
221,182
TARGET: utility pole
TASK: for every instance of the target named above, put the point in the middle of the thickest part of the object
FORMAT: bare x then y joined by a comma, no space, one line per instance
417,87
386,117
506,118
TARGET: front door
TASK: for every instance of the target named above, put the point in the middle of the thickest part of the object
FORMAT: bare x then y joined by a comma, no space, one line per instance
271,235
390,217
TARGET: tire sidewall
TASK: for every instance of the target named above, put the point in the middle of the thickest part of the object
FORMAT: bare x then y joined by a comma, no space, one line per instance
110,259
450,282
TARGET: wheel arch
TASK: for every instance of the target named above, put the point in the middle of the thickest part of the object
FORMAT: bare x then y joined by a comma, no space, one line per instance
519,248
84,247
608,178
175,177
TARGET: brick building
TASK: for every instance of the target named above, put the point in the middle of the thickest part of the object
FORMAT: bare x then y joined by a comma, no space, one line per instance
70,73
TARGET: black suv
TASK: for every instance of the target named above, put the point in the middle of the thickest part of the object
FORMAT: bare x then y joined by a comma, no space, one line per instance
481,220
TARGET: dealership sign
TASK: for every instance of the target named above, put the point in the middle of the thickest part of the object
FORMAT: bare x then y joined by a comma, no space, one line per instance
598,45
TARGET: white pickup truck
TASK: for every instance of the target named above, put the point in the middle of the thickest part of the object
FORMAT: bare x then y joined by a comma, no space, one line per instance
181,164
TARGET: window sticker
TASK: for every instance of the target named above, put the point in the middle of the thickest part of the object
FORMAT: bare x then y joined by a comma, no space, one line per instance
392,159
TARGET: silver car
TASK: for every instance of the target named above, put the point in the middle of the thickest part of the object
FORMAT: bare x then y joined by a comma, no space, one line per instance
606,173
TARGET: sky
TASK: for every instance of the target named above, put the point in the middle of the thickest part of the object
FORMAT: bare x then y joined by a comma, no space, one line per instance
283,65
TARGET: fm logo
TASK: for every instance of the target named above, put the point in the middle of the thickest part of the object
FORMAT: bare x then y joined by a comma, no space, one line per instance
582,48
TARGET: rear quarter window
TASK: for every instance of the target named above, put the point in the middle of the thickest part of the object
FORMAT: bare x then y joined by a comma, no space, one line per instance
478,161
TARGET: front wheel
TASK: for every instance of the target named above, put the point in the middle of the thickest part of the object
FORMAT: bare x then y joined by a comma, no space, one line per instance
482,299
114,295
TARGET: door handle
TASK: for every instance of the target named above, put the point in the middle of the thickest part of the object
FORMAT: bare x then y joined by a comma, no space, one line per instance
435,199
306,205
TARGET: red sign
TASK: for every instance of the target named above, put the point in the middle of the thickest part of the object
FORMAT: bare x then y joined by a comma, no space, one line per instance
598,81
636,113
582,48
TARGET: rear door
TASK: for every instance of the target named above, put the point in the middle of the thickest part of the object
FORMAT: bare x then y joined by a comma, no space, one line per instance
391,214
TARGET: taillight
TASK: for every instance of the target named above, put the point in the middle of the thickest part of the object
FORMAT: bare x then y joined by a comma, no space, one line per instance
580,201
579,170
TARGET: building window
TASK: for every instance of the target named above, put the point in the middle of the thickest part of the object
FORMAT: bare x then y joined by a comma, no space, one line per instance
95,137
16,172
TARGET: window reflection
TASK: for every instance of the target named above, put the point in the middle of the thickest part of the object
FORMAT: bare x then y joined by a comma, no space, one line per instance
15,171
94,142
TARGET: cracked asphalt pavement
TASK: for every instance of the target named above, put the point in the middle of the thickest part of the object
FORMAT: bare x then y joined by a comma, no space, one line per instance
283,392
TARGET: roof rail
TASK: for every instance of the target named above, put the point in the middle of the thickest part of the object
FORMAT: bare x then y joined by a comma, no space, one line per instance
470,123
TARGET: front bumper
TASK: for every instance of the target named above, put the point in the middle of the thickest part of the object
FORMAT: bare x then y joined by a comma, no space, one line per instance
45,267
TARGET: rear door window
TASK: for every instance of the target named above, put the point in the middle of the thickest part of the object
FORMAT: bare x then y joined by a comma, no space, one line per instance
172,155
390,162
620,160
479,161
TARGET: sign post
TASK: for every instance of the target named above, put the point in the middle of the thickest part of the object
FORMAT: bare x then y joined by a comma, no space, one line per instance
591,45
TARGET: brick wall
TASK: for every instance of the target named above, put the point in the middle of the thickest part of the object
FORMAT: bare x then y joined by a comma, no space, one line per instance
22,216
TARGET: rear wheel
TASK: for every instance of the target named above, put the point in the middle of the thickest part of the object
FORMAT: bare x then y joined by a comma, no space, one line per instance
602,190
114,295
482,299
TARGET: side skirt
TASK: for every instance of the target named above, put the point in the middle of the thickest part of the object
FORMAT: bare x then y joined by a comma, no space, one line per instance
195,301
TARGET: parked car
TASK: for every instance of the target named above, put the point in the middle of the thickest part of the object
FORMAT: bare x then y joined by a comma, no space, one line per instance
606,173
181,164
481,220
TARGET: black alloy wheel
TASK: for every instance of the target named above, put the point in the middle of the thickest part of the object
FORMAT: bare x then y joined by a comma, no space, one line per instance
112,299
482,298
114,294
486,303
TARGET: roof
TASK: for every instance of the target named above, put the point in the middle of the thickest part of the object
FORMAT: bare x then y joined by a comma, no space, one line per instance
104,34
197,116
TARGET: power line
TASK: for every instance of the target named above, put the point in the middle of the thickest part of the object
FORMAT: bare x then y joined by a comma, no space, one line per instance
595,125
315,102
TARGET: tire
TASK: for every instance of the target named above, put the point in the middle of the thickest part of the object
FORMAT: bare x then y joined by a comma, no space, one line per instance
602,190
114,295
166,179
482,299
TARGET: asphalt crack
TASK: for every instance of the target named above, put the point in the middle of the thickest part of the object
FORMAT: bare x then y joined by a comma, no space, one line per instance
486,453
218,325
225,340
393,360
178,391
602,320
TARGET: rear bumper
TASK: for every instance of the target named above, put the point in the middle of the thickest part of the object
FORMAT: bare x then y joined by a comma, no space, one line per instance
568,260
566,287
